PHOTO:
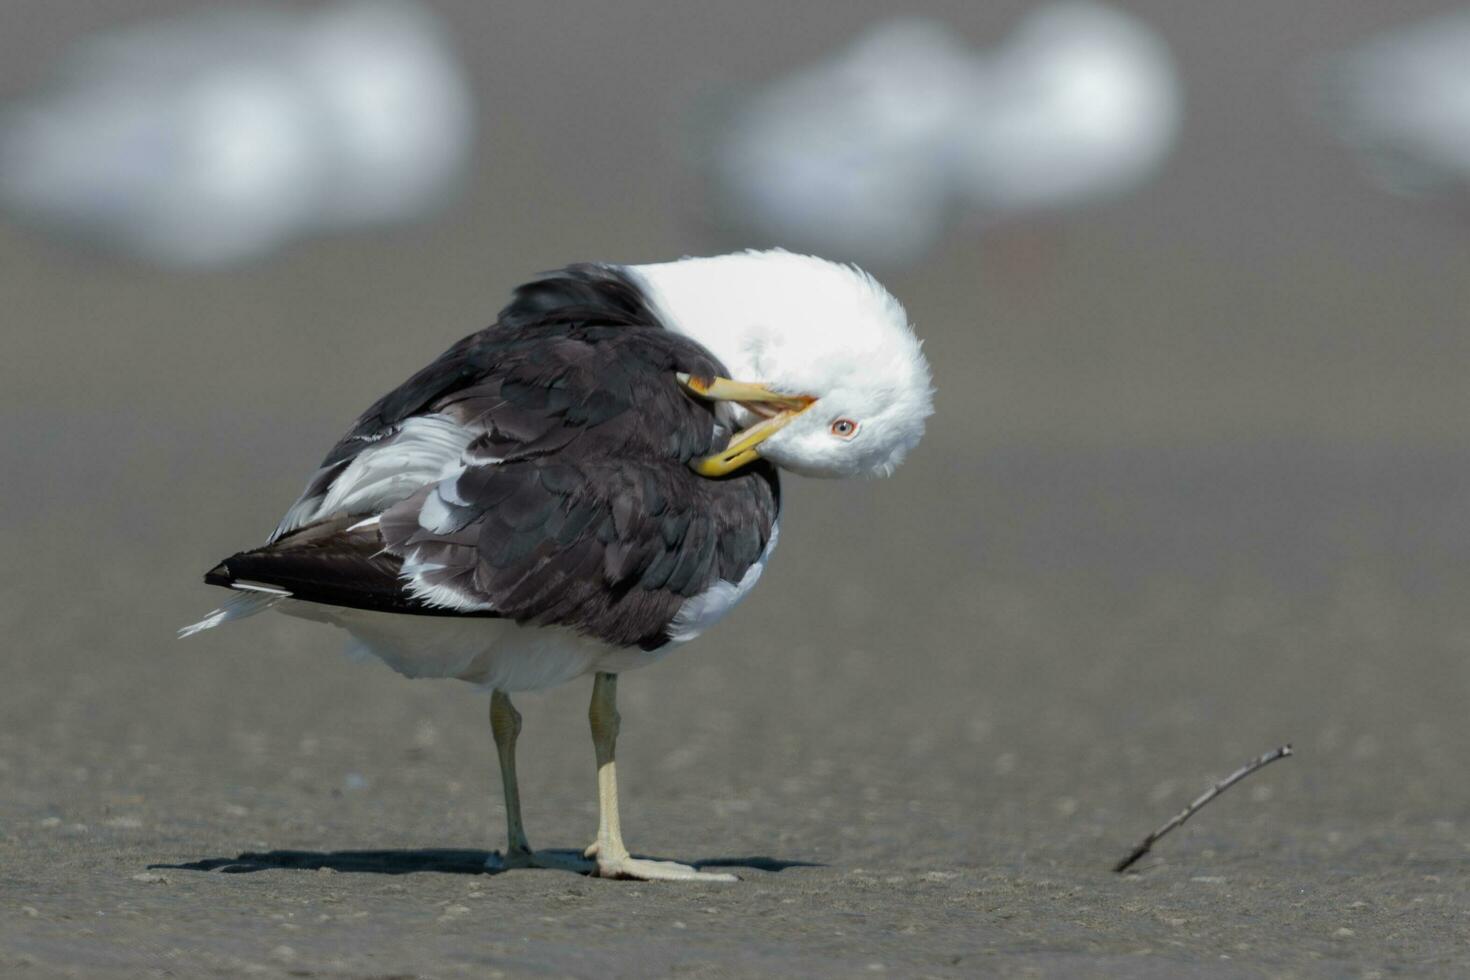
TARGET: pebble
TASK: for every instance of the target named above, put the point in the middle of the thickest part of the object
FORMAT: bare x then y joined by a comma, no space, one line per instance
150,877
1344,932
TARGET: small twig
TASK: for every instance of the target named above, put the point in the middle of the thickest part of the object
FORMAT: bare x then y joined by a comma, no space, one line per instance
1205,797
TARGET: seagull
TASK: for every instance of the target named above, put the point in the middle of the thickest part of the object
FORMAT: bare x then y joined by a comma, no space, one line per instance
215,137
851,154
1082,104
1401,102
589,484
874,152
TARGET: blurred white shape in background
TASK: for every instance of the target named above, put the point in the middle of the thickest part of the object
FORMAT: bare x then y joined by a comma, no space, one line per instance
1082,104
218,137
849,157
1401,101
868,155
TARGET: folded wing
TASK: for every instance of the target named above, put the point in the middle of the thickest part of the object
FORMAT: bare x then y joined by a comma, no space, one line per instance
536,471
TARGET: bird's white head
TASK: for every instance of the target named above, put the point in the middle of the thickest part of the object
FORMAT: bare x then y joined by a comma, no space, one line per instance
831,379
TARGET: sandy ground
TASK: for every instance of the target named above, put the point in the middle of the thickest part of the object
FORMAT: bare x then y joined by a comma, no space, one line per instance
922,765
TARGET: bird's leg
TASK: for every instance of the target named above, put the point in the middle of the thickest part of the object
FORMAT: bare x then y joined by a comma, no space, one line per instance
505,725
602,714
613,860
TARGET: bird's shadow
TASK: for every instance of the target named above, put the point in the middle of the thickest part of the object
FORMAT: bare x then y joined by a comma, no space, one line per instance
402,862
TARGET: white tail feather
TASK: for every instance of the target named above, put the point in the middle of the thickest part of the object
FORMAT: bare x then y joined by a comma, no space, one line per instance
238,606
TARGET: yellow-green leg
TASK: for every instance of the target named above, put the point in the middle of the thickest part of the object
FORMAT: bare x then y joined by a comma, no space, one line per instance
505,725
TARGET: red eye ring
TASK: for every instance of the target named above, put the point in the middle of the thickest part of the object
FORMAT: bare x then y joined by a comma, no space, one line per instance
843,428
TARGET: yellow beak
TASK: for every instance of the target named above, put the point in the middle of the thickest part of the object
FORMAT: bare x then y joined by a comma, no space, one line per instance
776,411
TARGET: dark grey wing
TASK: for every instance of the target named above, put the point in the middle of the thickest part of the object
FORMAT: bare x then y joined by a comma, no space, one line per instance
330,562
612,548
536,471
404,440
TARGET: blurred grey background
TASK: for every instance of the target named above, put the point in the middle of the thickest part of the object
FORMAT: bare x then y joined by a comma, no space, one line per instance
1198,483
1257,287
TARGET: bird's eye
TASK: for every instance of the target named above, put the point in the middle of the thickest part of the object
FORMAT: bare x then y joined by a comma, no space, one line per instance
844,428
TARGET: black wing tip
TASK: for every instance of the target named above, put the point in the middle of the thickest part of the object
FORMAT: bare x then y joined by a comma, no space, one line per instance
220,575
